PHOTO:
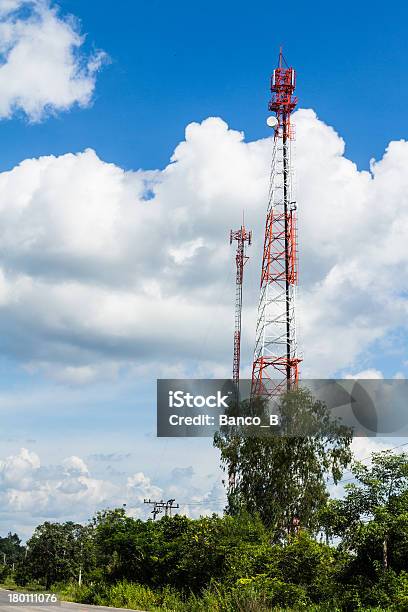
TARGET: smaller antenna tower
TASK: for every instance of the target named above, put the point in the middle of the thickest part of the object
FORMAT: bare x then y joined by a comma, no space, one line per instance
242,236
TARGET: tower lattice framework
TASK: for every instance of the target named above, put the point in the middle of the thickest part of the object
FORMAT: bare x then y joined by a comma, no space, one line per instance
276,363
242,236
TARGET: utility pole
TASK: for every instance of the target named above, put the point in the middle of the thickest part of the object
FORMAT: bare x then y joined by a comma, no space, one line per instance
276,364
241,236
156,510
159,506
171,506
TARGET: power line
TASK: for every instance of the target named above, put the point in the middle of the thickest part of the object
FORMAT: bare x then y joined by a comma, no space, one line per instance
367,459
203,503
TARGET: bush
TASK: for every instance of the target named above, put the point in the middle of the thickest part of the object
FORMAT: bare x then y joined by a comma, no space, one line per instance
4,572
222,564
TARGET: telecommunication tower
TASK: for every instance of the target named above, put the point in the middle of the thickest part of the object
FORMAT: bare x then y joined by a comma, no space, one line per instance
242,236
276,363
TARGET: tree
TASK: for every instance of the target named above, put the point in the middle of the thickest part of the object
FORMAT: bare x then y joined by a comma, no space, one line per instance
283,478
178,551
57,552
221,548
372,519
11,549
11,552
125,547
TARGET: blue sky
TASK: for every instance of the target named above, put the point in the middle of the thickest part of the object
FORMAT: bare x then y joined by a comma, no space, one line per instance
167,65
172,63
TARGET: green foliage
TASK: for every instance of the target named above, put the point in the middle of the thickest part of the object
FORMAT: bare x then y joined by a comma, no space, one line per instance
250,595
282,478
178,551
55,553
11,553
11,550
309,564
276,592
4,572
236,562
372,519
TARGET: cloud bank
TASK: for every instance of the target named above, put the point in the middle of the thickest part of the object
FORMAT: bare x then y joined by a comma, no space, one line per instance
42,67
69,491
102,268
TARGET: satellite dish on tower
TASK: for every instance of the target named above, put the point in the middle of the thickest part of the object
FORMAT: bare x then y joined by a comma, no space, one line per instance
272,121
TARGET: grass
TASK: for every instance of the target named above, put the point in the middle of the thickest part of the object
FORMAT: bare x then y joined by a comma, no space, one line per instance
139,597
10,585
215,599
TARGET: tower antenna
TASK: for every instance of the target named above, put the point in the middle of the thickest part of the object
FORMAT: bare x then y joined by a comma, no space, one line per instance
242,236
276,364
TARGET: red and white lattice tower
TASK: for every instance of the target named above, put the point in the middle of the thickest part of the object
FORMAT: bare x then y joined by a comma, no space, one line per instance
276,363
241,236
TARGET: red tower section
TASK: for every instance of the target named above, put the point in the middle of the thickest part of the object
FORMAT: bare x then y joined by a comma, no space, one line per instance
283,102
276,364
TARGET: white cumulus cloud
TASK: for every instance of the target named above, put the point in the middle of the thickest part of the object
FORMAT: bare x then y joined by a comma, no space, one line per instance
74,466
139,487
42,66
18,472
31,493
102,267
